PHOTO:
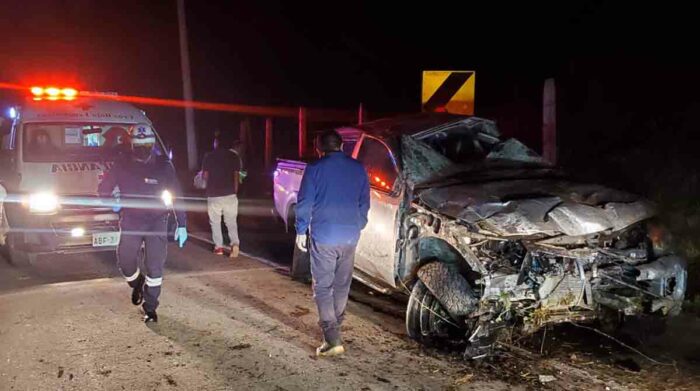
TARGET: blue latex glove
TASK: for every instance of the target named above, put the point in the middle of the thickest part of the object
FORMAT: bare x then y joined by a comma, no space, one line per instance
181,236
117,206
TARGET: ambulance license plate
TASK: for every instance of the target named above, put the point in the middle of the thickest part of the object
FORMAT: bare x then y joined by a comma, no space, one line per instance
104,239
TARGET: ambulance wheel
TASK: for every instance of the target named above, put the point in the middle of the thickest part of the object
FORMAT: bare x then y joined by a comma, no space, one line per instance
17,256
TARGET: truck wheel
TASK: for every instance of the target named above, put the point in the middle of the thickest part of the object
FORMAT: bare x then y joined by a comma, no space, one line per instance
18,257
301,266
426,320
301,261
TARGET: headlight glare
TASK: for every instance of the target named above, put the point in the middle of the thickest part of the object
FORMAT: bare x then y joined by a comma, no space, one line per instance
167,198
44,202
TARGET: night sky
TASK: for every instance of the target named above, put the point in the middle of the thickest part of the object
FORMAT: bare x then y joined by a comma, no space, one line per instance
615,63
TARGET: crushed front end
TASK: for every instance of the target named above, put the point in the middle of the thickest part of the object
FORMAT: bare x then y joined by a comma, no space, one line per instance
539,261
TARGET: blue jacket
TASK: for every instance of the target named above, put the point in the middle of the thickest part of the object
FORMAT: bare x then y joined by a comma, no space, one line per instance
333,200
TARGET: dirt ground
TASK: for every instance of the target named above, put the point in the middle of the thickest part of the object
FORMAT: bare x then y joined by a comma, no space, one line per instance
245,325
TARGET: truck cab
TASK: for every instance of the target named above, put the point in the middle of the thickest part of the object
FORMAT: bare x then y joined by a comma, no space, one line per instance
58,147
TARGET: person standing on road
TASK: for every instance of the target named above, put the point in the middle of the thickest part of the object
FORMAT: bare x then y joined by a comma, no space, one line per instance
333,203
149,189
221,173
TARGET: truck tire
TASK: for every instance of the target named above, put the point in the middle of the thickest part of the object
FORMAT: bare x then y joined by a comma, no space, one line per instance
427,321
301,266
413,311
301,261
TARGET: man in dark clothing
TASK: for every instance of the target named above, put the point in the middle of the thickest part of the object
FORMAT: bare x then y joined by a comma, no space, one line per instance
221,169
147,188
333,203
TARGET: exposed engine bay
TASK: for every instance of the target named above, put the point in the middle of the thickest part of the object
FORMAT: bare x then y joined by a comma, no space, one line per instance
487,283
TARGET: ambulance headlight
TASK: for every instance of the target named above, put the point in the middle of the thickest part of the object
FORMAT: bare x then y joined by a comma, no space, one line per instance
167,198
43,203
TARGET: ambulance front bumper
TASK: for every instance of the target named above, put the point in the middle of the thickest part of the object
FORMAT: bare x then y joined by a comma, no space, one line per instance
71,231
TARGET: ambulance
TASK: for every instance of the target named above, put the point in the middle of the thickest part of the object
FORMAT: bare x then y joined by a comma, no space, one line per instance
57,147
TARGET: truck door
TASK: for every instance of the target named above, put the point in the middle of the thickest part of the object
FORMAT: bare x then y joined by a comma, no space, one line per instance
376,249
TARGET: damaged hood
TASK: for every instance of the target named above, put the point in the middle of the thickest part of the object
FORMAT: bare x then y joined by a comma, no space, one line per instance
527,207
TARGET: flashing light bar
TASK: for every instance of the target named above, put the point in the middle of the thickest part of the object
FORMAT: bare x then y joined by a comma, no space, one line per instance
69,92
53,93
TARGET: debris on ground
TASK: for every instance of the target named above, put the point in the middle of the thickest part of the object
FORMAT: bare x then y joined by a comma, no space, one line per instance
240,346
300,311
170,380
464,379
628,364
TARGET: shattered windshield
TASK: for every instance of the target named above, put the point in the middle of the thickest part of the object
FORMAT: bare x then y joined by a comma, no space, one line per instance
476,141
471,145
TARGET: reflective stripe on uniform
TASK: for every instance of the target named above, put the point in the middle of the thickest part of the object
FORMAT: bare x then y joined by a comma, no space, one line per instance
134,277
153,282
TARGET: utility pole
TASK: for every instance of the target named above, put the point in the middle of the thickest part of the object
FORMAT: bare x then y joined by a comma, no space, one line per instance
187,88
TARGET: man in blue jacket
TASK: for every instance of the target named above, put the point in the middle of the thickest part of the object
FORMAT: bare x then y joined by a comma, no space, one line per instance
333,203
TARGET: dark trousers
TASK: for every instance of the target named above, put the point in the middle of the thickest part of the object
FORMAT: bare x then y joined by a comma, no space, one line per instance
331,269
146,240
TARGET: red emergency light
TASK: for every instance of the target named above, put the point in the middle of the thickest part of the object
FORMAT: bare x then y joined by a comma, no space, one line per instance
53,93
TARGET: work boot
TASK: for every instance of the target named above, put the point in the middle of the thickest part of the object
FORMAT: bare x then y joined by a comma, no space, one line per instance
150,316
329,350
137,290
235,250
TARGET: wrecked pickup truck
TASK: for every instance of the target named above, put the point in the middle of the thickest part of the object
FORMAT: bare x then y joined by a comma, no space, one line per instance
489,240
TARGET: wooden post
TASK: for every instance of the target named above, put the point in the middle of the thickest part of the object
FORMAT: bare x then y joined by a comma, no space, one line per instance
361,115
268,142
245,139
303,118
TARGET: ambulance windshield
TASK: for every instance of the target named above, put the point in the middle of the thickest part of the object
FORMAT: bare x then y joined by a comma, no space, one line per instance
74,142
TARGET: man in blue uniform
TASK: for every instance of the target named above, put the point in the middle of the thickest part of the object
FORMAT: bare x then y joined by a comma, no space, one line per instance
333,203
147,186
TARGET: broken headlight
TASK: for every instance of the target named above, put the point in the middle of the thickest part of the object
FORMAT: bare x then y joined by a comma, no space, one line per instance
660,238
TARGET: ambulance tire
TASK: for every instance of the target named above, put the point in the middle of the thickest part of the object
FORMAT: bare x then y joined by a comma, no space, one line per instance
18,257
